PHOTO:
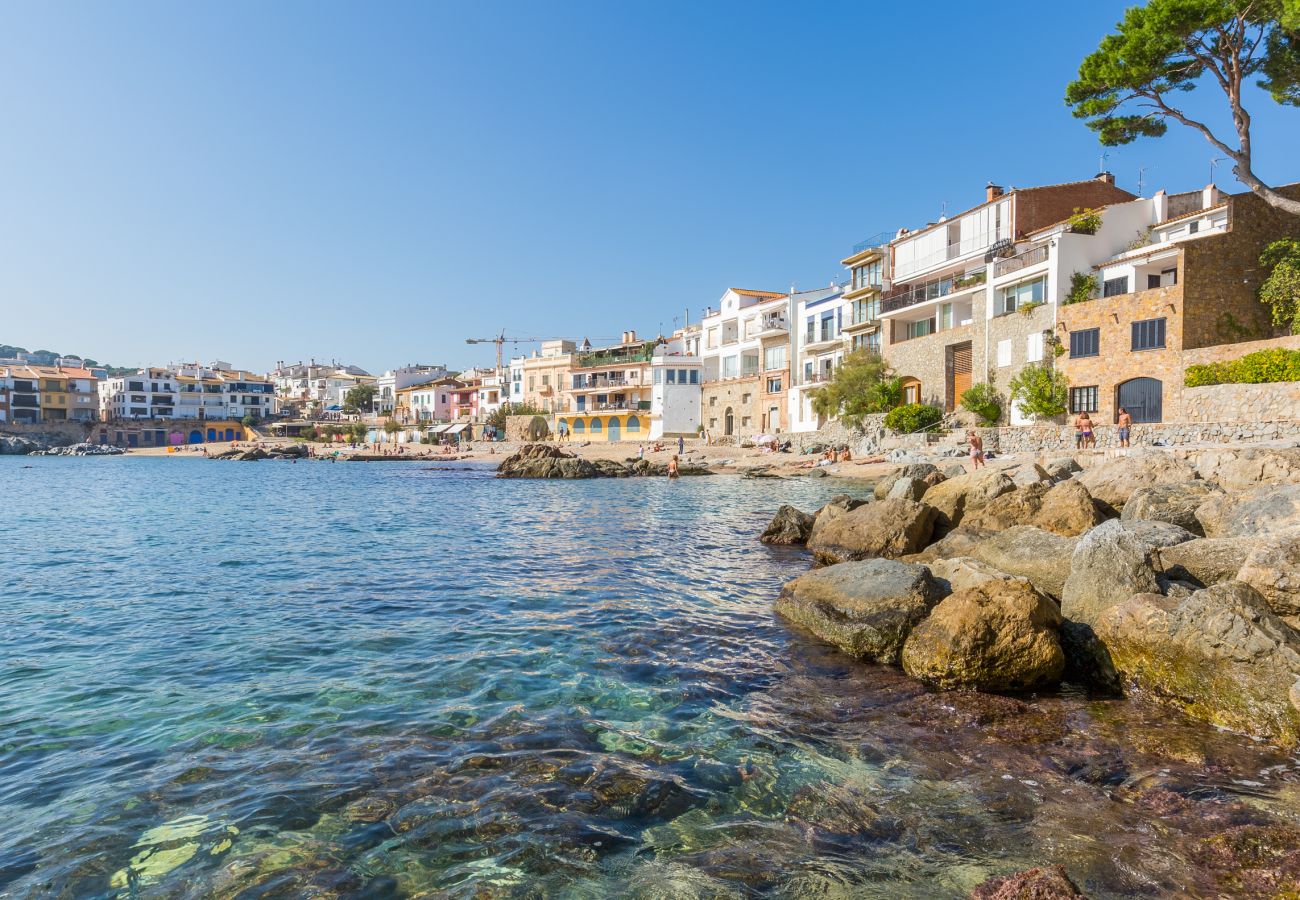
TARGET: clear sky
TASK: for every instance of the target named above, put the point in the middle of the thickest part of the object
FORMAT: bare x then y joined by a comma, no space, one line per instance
375,182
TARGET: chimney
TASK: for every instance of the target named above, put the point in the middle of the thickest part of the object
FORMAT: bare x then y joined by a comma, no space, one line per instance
1161,203
1106,177
993,191
1209,196
631,337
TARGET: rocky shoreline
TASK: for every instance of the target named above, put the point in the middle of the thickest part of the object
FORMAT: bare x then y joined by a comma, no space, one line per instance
546,461
1143,575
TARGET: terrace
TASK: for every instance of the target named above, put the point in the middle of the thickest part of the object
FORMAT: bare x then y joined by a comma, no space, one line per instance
616,356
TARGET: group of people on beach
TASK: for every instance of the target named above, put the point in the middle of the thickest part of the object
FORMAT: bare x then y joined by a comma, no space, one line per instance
1085,436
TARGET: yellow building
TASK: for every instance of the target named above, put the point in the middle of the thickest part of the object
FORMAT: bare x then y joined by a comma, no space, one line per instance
609,392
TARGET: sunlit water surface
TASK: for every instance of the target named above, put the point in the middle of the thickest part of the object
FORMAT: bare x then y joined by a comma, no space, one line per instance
275,679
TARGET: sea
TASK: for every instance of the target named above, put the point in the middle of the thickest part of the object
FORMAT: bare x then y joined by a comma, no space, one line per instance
413,679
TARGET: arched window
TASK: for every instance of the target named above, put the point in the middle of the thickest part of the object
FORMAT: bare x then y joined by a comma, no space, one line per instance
633,424
1141,398
579,426
596,426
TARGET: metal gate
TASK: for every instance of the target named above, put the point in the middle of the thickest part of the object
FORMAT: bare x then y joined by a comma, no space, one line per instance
1141,397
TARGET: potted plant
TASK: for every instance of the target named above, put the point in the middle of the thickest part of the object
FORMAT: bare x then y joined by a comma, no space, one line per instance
1084,221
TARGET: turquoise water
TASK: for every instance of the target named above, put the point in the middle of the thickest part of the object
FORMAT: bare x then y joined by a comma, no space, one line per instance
346,680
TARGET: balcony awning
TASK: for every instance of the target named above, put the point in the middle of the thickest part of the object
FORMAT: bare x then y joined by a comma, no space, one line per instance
456,429
436,429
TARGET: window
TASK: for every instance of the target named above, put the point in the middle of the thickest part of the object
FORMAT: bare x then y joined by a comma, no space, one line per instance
1083,399
920,329
1004,352
672,376
713,401
1153,281
774,358
945,316
596,426
695,376
1017,295
659,376
681,376
746,398
774,385
744,421
1034,347
730,366
1086,342
546,381
1149,334
579,426
1113,287
532,382
1194,227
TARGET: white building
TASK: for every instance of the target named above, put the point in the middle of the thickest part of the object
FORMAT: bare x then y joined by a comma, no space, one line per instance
817,346
392,381
515,389
316,388
676,370
148,394
188,391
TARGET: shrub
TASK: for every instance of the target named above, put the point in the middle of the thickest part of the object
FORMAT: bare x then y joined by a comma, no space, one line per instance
984,401
1280,291
1084,221
1083,287
861,386
1261,367
912,418
1040,391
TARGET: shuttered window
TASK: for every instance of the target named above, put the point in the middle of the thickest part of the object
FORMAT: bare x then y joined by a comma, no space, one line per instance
1149,334
1086,342
1113,287
1083,399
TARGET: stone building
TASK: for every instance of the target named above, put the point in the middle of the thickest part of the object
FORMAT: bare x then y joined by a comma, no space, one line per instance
739,341
1189,282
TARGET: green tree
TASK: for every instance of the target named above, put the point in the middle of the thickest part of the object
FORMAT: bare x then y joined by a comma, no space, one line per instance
357,431
1038,390
248,421
1129,86
391,427
497,418
361,399
1280,291
862,385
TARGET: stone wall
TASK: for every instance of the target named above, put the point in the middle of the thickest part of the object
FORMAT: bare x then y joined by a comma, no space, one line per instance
1117,362
1051,438
925,359
1015,327
56,434
742,396
525,429
1245,403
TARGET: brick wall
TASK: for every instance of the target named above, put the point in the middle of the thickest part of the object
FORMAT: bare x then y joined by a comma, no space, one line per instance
1039,207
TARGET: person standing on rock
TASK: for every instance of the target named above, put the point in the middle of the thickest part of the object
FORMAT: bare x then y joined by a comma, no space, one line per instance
976,449
1125,423
681,445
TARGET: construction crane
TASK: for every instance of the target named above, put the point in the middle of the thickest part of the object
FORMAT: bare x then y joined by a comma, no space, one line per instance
501,339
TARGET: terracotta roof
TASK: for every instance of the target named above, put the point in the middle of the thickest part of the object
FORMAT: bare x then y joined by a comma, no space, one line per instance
1192,215
745,292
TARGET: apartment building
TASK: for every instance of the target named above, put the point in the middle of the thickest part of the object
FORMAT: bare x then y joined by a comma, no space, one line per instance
1180,287
866,264
36,394
427,402
817,347
150,393
515,380
749,329
187,391
608,396
968,295
312,388
675,374
545,374
394,380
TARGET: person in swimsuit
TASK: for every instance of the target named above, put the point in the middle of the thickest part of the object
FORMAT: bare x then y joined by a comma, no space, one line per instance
976,449
1125,423
672,467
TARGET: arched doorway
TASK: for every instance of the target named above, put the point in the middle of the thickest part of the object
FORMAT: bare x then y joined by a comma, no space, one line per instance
196,437
633,425
1143,398
615,432
911,390
729,422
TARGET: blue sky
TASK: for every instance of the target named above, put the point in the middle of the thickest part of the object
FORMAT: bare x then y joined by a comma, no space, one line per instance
259,181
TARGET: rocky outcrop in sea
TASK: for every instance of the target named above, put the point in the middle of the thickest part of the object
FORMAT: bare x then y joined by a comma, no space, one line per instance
82,449
1146,574
253,454
546,461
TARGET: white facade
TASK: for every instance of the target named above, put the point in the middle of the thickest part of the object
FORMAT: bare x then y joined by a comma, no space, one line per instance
316,388
392,381
675,374
187,392
515,380
148,394
817,346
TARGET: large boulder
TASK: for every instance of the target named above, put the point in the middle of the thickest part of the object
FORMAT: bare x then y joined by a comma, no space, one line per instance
1061,468
1114,481
1273,569
1241,468
956,497
864,608
907,489
1065,508
992,636
1255,511
788,526
1109,565
1219,654
1029,552
962,572
1157,534
1026,474
1172,503
919,471
888,528
545,461
958,542
1205,561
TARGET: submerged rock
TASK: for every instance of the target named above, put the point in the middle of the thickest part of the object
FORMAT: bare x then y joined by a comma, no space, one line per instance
788,526
993,636
1219,654
887,528
82,449
1047,883
864,608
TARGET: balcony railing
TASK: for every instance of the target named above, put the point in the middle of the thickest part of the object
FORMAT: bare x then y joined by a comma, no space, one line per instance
932,290
643,353
879,239
1024,260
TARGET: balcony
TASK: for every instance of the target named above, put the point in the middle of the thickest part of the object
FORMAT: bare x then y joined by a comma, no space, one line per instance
820,340
879,239
618,356
956,250
767,325
932,290
1031,257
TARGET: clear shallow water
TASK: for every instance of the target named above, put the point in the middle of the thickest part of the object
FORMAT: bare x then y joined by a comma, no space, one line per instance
351,680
